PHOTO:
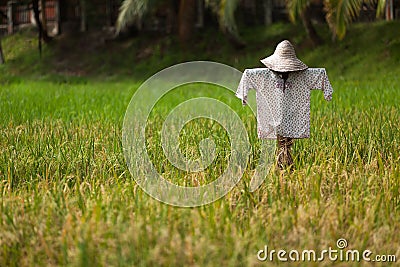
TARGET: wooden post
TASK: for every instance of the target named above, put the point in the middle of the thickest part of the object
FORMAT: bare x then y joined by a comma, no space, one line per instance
10,17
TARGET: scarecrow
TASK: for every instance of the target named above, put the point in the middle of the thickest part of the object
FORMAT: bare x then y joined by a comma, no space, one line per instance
283,92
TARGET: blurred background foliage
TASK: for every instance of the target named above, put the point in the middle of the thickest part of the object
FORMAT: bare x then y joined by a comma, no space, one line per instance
116,38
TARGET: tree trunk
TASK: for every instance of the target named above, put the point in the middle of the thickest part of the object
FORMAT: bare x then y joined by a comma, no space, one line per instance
200,14
83,15
10,19
268,5
36,12
389,10
43,15
108,13
311,32
2,59
58,18
187,14
171,17
168,9
250,12
35,6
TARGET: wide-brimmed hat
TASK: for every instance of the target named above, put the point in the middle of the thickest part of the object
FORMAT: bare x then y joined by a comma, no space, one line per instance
284,59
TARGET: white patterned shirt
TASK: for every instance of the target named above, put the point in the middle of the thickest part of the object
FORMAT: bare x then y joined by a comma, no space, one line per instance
283,112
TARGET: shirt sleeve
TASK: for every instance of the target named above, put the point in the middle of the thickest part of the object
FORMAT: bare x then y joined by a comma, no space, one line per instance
244,86
318,80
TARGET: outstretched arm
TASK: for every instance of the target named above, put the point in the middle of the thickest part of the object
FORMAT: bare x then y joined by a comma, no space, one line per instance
318,80
251,79
244,87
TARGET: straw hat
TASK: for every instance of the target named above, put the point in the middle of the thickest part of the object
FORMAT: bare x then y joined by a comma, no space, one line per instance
284,59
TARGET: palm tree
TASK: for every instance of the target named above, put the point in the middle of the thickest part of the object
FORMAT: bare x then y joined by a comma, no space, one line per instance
339,14
133,12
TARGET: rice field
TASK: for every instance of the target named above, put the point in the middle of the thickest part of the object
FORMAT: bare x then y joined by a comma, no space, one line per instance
68,198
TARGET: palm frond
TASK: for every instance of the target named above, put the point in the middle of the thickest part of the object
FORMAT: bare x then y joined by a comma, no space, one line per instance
296,8
347,11
225,11
380,10
228,8
131,11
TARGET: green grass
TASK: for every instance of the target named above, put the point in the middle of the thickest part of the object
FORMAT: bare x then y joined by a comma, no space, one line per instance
67,197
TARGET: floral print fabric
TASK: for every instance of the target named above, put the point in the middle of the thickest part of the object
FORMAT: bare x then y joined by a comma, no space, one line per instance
283,107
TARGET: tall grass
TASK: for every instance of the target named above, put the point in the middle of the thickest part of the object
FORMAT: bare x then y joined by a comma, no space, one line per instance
67,197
